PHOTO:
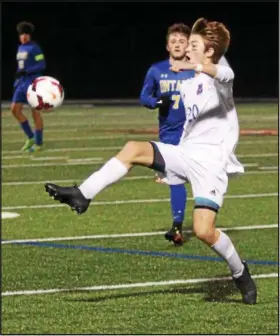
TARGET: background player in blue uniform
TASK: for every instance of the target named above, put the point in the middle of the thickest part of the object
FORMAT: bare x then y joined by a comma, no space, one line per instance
31,63
161,90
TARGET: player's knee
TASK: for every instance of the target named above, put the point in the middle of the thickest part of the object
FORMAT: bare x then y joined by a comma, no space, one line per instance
204,232
133,148
16,110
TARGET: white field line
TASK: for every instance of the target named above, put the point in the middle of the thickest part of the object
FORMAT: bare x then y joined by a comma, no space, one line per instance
46,158
100,137
79,149
268,167
49,164
79,162
144,177
135,201
126,286
124,136
257,155
110,148
97,119
261,172
130,235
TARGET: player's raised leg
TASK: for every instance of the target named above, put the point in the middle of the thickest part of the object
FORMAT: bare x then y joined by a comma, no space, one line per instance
133,153
204,228
39,126
16,109
178,199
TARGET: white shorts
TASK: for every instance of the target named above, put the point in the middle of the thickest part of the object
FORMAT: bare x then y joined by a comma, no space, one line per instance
202,166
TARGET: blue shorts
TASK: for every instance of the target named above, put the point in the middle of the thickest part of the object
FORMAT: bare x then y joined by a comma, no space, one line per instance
20,89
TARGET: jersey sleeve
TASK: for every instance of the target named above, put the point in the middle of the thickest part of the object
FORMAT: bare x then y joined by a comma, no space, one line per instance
147,96
224,74
39,60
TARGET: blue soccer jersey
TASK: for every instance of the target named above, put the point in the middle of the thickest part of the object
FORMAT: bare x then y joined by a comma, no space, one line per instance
31,63
161,81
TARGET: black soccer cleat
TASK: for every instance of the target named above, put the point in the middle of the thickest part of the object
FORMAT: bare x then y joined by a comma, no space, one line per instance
247,286
69,195
175,235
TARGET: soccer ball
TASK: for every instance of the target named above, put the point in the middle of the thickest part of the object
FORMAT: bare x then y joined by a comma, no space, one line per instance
45,94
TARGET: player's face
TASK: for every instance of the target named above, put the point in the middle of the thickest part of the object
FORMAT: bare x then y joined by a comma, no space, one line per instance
176,46
24,38
196,50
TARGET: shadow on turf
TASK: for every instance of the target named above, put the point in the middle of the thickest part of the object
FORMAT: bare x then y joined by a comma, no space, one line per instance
216,291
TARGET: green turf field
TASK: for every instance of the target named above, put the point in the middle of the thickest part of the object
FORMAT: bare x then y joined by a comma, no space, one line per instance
63,281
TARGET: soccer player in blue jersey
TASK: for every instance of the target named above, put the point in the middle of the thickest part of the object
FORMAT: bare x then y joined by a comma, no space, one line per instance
31,63
161,90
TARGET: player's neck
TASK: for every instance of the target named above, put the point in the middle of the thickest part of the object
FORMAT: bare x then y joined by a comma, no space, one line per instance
172,60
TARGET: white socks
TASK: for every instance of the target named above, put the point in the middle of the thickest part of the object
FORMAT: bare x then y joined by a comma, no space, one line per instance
111,172
227,251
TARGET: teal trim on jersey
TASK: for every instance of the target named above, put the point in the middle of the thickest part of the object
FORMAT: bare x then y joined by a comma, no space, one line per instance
206,202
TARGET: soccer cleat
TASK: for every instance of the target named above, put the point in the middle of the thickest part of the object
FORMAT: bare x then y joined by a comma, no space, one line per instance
175,234
247,286
69,195
37,148
28,145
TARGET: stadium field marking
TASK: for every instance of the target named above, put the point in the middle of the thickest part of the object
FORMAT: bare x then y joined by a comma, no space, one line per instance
133,285
46,158
130,178
101,137
5,215
128,136
257,155
81,162
130,235
86,149
268,167
71,149
69,181
135,201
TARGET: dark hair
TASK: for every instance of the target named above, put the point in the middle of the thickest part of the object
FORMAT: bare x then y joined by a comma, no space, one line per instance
24,27
178,28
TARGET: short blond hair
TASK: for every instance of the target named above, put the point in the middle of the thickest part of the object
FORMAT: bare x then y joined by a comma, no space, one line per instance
215,35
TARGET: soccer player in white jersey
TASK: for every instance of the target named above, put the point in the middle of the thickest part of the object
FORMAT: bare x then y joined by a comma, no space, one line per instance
201,157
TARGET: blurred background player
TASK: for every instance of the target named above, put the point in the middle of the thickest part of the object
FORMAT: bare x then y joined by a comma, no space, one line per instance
31,63
161,90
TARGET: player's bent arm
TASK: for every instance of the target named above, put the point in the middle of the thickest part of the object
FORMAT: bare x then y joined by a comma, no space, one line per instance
37,67
147,98
39,58
222,73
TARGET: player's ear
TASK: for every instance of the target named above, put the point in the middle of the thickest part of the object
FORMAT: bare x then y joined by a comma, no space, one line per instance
167,48
210,52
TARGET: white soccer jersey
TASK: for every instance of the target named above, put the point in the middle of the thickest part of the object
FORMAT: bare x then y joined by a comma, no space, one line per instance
211,118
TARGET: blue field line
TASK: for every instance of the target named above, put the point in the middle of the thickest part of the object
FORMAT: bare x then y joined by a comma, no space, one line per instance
142,253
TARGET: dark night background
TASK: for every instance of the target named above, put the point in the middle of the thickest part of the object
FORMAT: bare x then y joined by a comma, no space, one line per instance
103,50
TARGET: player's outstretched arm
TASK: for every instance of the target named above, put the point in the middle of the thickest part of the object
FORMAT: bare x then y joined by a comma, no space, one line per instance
147,97
222,73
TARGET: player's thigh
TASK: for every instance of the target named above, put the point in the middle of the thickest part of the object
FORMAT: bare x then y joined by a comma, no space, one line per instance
19,96
137,153
168,160
210,190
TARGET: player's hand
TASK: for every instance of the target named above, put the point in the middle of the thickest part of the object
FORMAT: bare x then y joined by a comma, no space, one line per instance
178,66
163,104
21,73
